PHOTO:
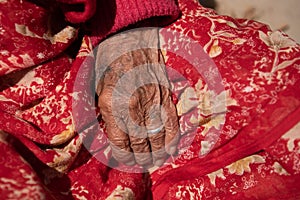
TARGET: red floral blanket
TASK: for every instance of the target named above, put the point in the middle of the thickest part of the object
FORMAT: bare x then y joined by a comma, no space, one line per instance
238,103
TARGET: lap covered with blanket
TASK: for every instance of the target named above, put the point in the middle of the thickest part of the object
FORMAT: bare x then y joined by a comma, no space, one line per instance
235,84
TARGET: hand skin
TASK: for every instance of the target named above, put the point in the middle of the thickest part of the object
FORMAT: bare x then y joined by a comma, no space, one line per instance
134,97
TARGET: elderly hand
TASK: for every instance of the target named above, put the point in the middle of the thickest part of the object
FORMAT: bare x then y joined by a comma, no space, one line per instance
135,102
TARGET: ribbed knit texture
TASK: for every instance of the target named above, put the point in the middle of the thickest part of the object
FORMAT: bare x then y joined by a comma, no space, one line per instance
128,12
113,15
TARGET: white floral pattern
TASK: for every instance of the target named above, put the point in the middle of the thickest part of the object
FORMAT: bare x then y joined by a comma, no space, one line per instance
237,130
278,42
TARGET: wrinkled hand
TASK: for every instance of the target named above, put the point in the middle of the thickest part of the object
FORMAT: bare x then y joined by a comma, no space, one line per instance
135,103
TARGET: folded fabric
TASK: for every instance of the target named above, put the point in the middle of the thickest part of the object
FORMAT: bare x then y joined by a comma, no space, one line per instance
246,149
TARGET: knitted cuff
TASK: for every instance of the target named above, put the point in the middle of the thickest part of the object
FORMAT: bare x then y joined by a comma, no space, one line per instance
112,16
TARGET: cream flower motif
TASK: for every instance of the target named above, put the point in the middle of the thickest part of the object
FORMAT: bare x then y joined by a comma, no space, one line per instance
216,103
238,41
291,136
243,165
208,143
187,101
211,107
64,135
65,156
61,37
205,100
86,48
215,49
121,194
212,176
276,40
212,47
279,169
215,121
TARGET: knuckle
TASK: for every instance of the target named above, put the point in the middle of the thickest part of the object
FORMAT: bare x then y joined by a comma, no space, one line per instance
157,141
122,144
139,145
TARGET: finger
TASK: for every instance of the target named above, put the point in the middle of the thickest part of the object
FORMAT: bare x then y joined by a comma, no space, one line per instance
140,146
171,124
120,144
116,130
156,134
137,132
141,150
157,142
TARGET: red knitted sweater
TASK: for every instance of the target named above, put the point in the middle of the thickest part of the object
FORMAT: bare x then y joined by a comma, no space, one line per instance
105,17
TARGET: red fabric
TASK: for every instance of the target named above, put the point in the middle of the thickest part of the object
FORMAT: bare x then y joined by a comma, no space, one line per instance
259,117
47,104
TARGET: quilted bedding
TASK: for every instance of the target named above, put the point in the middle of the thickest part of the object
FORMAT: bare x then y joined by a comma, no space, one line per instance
238,103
